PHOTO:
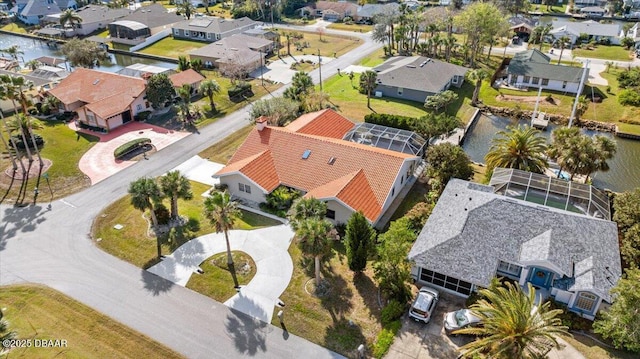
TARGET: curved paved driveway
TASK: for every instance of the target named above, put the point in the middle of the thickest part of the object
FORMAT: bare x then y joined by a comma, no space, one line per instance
266,246
52,247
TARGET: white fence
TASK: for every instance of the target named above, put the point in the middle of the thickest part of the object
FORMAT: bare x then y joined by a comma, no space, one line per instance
151,39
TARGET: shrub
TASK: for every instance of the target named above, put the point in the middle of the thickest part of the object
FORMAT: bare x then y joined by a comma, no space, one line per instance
142,116
629,97
571,319
385,338
395,121
239,90
130,146
391,312
162,213
21,145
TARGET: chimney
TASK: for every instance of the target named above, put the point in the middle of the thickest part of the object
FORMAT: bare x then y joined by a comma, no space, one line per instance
261,122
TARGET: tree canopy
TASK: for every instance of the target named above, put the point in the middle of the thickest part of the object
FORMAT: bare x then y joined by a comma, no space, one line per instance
480,21
359,240
392,270
520,147
626,208
159,90
84,53
278,110
446,161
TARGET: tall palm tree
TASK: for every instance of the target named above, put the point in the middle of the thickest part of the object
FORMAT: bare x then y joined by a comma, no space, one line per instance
145,193
184,93
514,326
197,65
175,186
313,239
603,150
13,88
210,88
476,77
520,147
70,17
304,208
222,212
544,31
558,149
186,8
183,62
563,43
32,64
368,84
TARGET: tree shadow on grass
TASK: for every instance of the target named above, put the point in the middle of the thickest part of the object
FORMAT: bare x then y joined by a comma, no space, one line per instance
344,337
155,284
368,291
178,236
248,334
337,299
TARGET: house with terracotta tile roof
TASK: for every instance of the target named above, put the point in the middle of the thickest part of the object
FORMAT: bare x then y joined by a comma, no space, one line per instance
188,77
102,100
309,155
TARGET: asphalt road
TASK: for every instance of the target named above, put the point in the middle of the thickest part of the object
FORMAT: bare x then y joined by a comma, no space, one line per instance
52,247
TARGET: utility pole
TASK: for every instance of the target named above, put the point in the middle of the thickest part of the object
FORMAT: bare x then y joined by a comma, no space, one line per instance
261,68
320,69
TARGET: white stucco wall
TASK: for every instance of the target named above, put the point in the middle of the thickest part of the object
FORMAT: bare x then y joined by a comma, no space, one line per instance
342,213
571,87
401,180
257,195
139,101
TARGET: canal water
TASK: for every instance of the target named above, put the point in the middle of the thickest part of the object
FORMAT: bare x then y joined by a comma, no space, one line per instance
34,48
624,174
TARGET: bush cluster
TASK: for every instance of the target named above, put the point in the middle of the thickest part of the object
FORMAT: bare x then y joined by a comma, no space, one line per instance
130,146
240,89
389,120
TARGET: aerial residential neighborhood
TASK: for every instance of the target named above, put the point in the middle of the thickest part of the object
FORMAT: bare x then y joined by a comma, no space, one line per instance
323,179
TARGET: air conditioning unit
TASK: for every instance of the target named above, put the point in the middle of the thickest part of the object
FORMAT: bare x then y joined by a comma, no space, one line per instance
378,94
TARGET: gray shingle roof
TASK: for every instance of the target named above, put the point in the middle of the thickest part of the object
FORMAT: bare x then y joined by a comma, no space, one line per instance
536,64
588,27
215,24
471,229
39,8
103,14
153,15
370,10
406,72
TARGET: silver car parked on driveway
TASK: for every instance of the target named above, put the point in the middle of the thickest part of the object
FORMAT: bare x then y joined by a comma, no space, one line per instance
424,304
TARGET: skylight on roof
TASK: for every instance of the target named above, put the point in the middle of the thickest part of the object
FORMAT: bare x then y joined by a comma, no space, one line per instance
306,154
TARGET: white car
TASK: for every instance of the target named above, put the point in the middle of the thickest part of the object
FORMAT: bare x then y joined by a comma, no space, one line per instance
460,319
424,305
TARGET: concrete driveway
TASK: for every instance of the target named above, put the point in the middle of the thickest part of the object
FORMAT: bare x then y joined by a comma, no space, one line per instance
279,69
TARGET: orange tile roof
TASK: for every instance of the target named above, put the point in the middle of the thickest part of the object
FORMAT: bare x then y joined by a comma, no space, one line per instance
91,86
325,123
111,106
187,77
356,176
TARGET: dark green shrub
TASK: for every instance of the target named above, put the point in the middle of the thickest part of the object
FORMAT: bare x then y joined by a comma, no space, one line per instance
395,121
629,97
391,312
239,91
571,319
130,146
142,116
21,145
385,339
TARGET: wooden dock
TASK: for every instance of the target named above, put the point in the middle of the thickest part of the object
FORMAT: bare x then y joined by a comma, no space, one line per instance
540,121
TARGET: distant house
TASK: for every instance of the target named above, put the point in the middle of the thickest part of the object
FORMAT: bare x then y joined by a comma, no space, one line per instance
102,100
32,12
522,26
142,23
50,73
416,77
144,71
595,31
579,4
211,29
309,155
188,77
593,11
367,12
634,33
532,68
234,52
330,10
6,105
560,239
262,33
94,17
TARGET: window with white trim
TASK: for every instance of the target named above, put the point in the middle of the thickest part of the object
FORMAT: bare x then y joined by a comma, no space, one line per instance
509,269
526,79
545,82
244,188
208,35
586,301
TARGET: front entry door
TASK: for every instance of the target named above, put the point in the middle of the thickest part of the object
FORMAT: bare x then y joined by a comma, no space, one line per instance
540,277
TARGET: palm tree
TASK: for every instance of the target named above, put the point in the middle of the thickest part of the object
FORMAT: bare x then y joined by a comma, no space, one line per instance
32,64
563,43
13,151
368,83
581,108
186,8
13,52
313,239
23,124
449,43
183,62
174,185
51,103
476,77
197,65
145,193
519,147
558,149
304,208
222,212
70,17
13,89
514,326
210,88
184,92
603,150
544,31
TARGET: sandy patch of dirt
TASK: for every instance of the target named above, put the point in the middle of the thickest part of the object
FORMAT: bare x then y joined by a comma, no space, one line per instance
528,99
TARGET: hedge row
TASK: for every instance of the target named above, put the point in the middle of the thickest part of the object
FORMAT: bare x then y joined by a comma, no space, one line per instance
396,121
130,146
239,89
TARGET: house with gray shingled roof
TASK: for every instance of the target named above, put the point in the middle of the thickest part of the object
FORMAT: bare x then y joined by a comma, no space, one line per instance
477,232
210,29
594,30
416,77
533,69
32,12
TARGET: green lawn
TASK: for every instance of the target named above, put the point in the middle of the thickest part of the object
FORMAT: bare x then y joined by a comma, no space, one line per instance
594,350
132,243
297,21
170,47
325,320
374,59
64,148
216,271
350,27
610,110
611,52
329,45
222,151
37,312
16,27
